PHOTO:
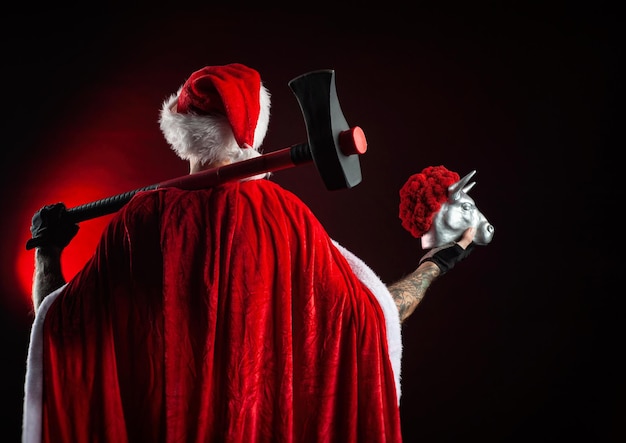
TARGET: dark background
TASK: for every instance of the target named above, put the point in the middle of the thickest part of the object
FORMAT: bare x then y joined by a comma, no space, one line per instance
521,342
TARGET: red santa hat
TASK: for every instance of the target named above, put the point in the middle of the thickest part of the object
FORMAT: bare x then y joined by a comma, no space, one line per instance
220,114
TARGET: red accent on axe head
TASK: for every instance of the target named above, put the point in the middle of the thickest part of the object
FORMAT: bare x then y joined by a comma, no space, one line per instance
352,141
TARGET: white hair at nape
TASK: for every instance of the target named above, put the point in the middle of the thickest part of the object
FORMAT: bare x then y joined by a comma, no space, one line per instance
209,138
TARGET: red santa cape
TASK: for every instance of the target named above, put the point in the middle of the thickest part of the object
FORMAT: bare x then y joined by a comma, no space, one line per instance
225,314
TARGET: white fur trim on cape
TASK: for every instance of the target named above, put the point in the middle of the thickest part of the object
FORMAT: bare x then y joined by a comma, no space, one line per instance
388,306
33,384
209,138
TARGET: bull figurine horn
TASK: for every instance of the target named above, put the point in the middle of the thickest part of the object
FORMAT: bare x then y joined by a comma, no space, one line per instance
455,189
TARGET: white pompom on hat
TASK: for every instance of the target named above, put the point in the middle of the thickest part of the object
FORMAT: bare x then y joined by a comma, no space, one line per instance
220,114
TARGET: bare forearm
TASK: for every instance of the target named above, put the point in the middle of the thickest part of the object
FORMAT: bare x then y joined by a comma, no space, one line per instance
410,290
48,274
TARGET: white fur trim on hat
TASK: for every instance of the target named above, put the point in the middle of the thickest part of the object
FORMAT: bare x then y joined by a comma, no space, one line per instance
209,138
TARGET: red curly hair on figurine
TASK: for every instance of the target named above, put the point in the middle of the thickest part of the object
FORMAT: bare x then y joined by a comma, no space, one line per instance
422,196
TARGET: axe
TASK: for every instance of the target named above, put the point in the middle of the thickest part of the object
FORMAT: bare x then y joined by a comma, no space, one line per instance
332,145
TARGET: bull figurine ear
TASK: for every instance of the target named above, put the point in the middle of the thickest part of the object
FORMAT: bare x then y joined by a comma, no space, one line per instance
455,189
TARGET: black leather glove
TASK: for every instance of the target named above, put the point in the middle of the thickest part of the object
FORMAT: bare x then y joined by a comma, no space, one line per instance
448,255
52,226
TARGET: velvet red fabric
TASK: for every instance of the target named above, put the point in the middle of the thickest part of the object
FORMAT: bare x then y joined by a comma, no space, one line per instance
219,315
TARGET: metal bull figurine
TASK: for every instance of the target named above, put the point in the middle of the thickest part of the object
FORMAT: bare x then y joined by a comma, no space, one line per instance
457,214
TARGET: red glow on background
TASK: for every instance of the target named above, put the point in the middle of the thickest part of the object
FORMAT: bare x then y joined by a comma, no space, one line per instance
104,184
101,152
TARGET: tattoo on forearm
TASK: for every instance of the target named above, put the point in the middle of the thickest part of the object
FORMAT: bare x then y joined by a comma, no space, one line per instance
409,291
48,274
